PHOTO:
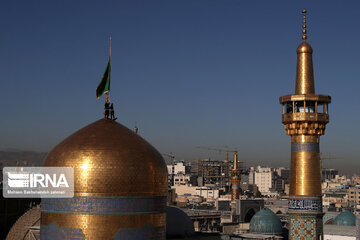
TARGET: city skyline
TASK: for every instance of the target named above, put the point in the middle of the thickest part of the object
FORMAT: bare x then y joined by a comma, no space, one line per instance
204,73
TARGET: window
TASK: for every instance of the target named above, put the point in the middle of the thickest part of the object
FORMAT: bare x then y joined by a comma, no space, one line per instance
299,106
310,106
289,107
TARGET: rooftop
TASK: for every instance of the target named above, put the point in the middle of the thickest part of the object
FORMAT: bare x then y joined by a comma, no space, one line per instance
330,229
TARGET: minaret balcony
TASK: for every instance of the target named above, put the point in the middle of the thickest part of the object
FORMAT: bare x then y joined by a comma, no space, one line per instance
304,117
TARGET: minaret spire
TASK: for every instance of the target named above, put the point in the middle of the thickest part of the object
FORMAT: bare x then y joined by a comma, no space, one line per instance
304,37
304,67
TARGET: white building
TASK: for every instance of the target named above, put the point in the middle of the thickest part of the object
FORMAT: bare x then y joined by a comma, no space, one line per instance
181,179
264,179
207,193
178,167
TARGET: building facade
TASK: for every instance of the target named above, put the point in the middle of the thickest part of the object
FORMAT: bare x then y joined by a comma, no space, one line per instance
264,179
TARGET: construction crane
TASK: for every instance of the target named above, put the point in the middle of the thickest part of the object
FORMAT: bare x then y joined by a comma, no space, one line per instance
171,157
227,151
172,174
327,158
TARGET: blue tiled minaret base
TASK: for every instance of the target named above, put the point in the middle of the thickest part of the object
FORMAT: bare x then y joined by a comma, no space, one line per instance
305,218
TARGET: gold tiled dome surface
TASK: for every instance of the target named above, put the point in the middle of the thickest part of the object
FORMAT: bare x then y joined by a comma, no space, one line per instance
26,227
110,160
120,184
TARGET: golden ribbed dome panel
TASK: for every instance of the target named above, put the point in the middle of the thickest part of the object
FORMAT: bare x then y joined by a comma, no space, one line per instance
110,160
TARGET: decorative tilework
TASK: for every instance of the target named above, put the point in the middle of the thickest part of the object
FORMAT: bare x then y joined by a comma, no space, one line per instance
304,147
54,232
305,227
148,232
305,205
104,205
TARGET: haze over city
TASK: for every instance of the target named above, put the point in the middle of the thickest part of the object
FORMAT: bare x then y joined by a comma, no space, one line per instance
190,73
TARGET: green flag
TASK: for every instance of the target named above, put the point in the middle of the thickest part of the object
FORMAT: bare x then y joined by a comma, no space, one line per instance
104,85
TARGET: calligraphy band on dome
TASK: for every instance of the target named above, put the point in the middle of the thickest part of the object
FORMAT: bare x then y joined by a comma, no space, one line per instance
105,205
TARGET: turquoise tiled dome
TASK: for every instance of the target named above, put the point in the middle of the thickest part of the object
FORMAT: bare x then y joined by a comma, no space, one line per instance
266,222
345,218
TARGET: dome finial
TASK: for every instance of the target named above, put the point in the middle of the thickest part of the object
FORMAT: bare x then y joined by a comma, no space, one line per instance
304,37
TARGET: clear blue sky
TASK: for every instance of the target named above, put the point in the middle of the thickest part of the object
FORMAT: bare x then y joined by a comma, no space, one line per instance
191,73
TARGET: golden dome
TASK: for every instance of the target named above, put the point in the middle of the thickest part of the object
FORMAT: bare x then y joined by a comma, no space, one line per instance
27,226
120,183
109,159
304,47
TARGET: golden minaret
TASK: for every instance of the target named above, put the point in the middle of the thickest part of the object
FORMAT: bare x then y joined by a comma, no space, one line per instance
305,115
235,188
235,179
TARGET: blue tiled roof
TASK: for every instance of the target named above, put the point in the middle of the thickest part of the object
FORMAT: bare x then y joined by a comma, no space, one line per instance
266,222
345,218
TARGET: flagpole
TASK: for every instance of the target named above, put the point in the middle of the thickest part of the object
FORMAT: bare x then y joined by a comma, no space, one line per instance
110,67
